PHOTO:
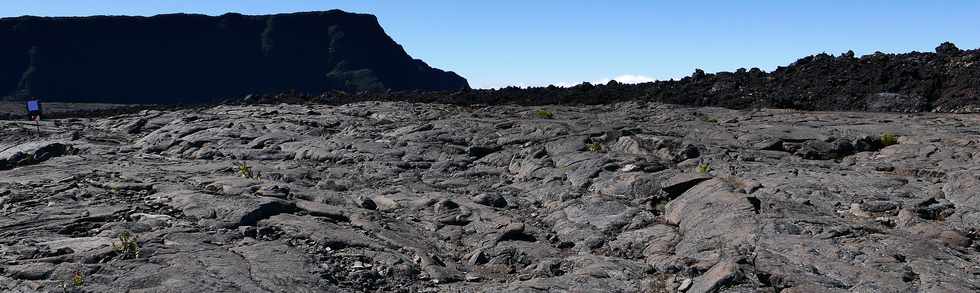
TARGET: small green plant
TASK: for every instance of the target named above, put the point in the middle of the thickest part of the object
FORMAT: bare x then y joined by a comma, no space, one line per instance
77,279
544,114
594,147
73,285
888,139
709,119
703,168
128,246
245,170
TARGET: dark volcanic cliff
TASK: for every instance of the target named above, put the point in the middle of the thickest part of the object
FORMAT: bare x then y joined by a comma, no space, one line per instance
198,58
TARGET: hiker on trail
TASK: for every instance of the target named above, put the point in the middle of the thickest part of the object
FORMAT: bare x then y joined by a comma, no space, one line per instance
34,113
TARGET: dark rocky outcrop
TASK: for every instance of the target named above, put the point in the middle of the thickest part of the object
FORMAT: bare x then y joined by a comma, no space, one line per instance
945,81
181,58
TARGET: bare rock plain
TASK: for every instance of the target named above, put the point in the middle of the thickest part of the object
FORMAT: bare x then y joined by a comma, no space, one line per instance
403,197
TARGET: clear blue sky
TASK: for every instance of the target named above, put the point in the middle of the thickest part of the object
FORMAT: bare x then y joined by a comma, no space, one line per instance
506,42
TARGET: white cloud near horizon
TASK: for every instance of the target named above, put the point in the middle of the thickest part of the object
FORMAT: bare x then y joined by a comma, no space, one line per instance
628,78
624,78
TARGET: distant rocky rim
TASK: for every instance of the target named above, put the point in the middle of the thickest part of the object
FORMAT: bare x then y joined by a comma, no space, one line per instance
947,80
270,59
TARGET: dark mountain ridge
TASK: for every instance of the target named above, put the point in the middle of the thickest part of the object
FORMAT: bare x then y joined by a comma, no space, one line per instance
187,58
947,80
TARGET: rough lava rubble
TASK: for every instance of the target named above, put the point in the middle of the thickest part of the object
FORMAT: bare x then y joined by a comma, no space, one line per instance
404,197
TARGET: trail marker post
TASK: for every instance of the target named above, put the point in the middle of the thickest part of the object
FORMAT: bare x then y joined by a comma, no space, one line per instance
34,111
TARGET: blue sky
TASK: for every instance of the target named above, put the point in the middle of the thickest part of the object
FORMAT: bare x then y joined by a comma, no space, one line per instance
503,42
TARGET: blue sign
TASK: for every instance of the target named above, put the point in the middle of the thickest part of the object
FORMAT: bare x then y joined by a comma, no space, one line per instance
33,106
